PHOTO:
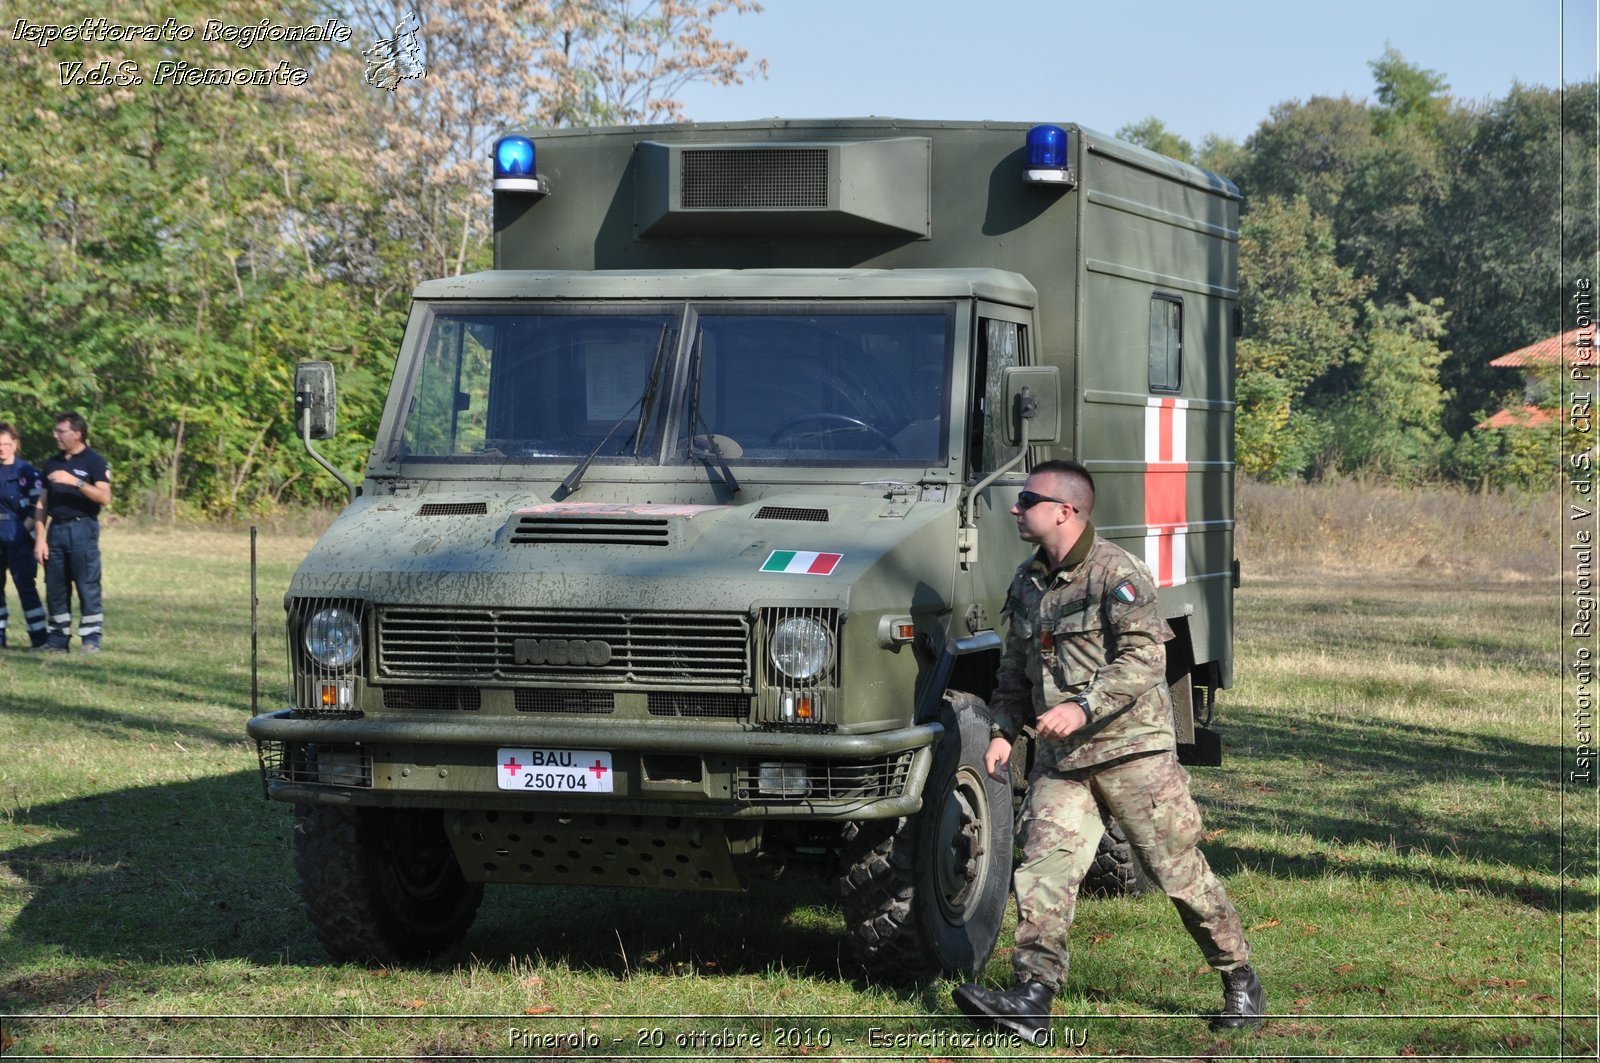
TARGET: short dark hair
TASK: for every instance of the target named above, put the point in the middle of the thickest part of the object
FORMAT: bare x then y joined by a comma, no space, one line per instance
1076,473
75,419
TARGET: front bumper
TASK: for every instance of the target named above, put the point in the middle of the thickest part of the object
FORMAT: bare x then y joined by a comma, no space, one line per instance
426,762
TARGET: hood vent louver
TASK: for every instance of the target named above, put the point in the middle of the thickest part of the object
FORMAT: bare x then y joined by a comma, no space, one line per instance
453,509
591,531
791,513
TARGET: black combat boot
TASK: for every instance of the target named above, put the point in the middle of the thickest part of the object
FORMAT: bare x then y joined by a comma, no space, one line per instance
1244,1002
1023,1010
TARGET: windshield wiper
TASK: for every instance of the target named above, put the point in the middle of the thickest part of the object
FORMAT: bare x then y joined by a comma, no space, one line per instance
711,455
574,478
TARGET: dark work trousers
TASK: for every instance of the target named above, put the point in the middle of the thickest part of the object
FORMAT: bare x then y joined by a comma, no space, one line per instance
16,557
74,560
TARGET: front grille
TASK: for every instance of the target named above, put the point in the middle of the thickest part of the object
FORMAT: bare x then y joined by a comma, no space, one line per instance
755,178
532,645
591,531
428,698
701,706
800,780
570,702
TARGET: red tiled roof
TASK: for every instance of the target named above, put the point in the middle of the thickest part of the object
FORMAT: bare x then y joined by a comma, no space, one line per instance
1526,417
1550,350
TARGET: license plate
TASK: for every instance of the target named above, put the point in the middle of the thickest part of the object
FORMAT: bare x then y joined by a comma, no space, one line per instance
580,771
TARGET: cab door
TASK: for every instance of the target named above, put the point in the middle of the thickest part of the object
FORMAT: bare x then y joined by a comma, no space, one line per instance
1004,338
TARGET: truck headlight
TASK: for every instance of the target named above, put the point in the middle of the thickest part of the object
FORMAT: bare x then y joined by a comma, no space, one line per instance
333,637
800,648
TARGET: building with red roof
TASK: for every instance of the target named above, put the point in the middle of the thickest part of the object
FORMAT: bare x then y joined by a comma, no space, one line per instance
1575,347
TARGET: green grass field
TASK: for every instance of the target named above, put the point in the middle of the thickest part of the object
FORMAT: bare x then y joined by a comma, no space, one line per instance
1390,820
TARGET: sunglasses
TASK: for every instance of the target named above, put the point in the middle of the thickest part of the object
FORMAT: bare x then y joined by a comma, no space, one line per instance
1029,499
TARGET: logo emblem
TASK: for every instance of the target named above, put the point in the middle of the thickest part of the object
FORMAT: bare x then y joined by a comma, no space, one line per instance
592,653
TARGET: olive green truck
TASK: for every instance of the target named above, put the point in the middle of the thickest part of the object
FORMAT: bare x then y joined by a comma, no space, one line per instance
683,541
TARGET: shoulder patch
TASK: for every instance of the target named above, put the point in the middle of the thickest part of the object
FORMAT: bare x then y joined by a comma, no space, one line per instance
1125,592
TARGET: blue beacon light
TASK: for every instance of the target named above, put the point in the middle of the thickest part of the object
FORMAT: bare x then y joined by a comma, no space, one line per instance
1047,156
513,166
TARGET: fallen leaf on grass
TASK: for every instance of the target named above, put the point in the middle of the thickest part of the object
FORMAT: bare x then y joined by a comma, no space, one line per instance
1213,835
1518,1040
533,982
1268,925
6,1041
1408,1050
1104,935
540,1010
412,1005
1344,968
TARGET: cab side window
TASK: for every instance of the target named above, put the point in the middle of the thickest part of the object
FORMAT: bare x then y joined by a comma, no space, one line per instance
1001,344
1166,343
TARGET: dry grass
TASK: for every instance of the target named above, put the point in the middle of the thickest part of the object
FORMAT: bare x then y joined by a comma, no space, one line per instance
1349,526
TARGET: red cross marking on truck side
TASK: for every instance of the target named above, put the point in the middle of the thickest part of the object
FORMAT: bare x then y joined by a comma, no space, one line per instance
512,767
599,769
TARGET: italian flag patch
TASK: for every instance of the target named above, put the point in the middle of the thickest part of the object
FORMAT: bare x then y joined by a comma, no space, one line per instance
805,562
1125,591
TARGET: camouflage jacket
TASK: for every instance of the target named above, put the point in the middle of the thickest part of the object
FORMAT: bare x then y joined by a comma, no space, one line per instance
1092,628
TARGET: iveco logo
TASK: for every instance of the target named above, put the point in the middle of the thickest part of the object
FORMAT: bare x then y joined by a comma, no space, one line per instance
592,652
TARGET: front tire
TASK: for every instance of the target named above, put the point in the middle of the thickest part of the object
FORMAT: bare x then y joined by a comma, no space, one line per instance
925,895
381,885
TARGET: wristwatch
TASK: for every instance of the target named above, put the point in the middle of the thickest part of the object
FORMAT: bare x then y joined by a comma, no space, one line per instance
1083,703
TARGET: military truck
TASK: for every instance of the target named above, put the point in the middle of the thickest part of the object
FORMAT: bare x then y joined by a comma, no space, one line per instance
683,540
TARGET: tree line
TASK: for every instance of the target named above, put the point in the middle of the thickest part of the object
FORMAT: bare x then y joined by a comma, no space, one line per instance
172,251
1389,250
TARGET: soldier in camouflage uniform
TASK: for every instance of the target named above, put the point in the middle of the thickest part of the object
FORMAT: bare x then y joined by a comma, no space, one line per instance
1084,664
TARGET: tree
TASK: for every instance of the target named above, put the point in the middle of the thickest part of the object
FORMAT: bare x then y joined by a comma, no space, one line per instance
1300,314
1391,422
1153,134
173,250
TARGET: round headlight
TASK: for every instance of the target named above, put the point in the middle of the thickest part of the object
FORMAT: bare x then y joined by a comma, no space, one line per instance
800,648
333,637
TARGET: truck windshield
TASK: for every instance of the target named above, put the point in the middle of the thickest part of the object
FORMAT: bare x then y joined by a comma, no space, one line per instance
831,384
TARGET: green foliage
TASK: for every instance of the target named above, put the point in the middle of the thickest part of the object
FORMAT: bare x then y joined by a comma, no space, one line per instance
1390,423
172,251
1477,211
1153,134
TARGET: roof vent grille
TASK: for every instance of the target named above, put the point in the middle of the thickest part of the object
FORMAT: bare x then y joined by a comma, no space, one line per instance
759,179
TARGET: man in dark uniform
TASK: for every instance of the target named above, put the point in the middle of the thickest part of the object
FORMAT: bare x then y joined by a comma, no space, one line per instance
19,493
77,485
1084,664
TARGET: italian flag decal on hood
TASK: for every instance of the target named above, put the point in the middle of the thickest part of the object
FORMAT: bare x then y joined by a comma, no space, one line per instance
805,562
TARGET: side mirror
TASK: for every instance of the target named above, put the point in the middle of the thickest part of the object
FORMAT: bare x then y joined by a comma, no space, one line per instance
314,393
1033,392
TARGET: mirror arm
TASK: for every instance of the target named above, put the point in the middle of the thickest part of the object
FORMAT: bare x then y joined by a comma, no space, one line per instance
969,506
302,401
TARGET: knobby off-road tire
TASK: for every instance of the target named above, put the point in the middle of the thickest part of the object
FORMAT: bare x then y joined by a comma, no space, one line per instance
925,895
381,885
1116,871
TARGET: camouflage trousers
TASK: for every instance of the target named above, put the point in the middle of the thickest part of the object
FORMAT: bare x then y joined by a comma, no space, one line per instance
1149,797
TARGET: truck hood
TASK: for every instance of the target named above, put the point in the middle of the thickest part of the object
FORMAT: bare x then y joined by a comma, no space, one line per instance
528,553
